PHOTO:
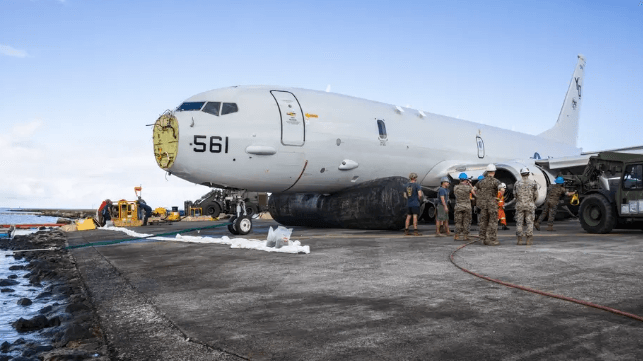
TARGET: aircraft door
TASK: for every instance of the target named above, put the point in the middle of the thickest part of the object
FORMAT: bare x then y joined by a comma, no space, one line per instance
292,118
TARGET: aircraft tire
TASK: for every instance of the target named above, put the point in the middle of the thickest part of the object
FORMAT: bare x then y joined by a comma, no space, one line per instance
243,225
596,214
212,209
232,226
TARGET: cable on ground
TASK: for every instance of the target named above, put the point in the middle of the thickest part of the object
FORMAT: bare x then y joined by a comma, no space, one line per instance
543,293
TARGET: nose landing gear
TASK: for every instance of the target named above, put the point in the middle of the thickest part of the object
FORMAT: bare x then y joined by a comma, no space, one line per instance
240,223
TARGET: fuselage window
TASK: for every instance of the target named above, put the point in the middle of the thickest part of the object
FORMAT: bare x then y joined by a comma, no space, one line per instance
212,108
228,108
382,128
194,106
633,178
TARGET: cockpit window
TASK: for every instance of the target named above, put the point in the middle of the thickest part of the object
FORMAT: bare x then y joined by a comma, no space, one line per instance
212,108
229,108
190,106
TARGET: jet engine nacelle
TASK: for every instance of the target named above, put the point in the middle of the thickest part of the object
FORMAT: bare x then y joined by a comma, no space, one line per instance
509,173
376,204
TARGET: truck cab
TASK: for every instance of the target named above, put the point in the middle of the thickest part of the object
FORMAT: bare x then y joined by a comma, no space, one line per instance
611,192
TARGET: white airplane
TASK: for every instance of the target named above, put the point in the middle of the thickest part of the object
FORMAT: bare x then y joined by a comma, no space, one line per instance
330,160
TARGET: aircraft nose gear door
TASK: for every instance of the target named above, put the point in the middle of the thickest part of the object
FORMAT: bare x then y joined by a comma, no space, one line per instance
292,118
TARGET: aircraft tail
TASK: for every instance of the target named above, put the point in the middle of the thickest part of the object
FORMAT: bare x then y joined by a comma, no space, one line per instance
566,128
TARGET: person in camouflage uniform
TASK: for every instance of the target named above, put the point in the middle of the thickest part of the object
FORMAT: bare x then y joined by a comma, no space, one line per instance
525,193
554,194
463,207
487,190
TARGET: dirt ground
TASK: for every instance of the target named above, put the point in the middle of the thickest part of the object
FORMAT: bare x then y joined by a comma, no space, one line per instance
366,295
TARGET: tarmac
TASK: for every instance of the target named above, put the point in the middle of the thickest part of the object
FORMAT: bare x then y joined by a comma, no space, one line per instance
366,295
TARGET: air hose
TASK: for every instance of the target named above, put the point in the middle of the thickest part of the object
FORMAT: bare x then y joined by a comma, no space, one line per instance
105,243
543,293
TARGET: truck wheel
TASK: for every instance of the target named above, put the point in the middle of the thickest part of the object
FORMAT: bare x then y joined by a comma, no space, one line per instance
213,209
251,210
596,214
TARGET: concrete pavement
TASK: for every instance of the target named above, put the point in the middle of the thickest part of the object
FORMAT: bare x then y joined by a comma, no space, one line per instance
364,295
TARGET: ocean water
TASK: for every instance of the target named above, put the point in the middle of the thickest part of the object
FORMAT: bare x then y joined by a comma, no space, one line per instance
7,217
11,311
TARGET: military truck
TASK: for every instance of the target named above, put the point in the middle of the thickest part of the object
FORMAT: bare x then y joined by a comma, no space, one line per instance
610,191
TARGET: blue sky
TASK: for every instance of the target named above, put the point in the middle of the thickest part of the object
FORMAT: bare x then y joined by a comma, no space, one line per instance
81,79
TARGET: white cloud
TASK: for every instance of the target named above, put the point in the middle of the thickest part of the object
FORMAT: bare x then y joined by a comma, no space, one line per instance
9,51
68,173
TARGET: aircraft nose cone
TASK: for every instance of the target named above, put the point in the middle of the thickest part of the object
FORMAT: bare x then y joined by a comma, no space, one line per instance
166,139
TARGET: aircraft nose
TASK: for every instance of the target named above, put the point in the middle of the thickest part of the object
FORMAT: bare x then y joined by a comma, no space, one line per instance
166,139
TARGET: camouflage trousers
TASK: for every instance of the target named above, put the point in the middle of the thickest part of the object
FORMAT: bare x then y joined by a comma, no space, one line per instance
526,217
488,224
462,221
548,211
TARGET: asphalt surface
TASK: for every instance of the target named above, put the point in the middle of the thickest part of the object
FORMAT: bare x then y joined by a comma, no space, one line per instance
366,295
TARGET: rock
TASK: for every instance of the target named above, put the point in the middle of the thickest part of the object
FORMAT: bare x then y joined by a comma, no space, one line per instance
44,295
5,347
24,302
7,282
19,341
75,307
16,268
36,349
21,358
53,322
77,332
12,277
4,290
45,309
33,324
5,358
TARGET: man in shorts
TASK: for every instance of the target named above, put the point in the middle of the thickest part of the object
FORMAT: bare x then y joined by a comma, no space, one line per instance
442,217
413,195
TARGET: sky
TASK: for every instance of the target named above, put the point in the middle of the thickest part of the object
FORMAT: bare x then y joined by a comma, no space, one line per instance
80,80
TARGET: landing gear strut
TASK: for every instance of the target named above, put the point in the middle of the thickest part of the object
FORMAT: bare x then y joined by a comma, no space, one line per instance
240,223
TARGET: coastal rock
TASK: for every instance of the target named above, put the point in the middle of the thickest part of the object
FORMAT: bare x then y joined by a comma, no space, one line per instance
45,309
5,347
4,290
16,268
36,323
36,349
12,277
24,302
75,307
8,282
76,332
44,295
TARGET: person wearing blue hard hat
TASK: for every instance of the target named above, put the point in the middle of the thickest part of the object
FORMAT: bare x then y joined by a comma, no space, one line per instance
554,193
462,211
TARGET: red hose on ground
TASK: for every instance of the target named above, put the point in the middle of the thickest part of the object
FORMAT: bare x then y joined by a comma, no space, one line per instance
564,298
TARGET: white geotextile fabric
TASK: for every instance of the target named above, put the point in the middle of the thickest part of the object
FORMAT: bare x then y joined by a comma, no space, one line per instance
294,247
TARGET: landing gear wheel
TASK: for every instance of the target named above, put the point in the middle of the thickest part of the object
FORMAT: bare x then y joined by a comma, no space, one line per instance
231,226
213,209
243,225
596,214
